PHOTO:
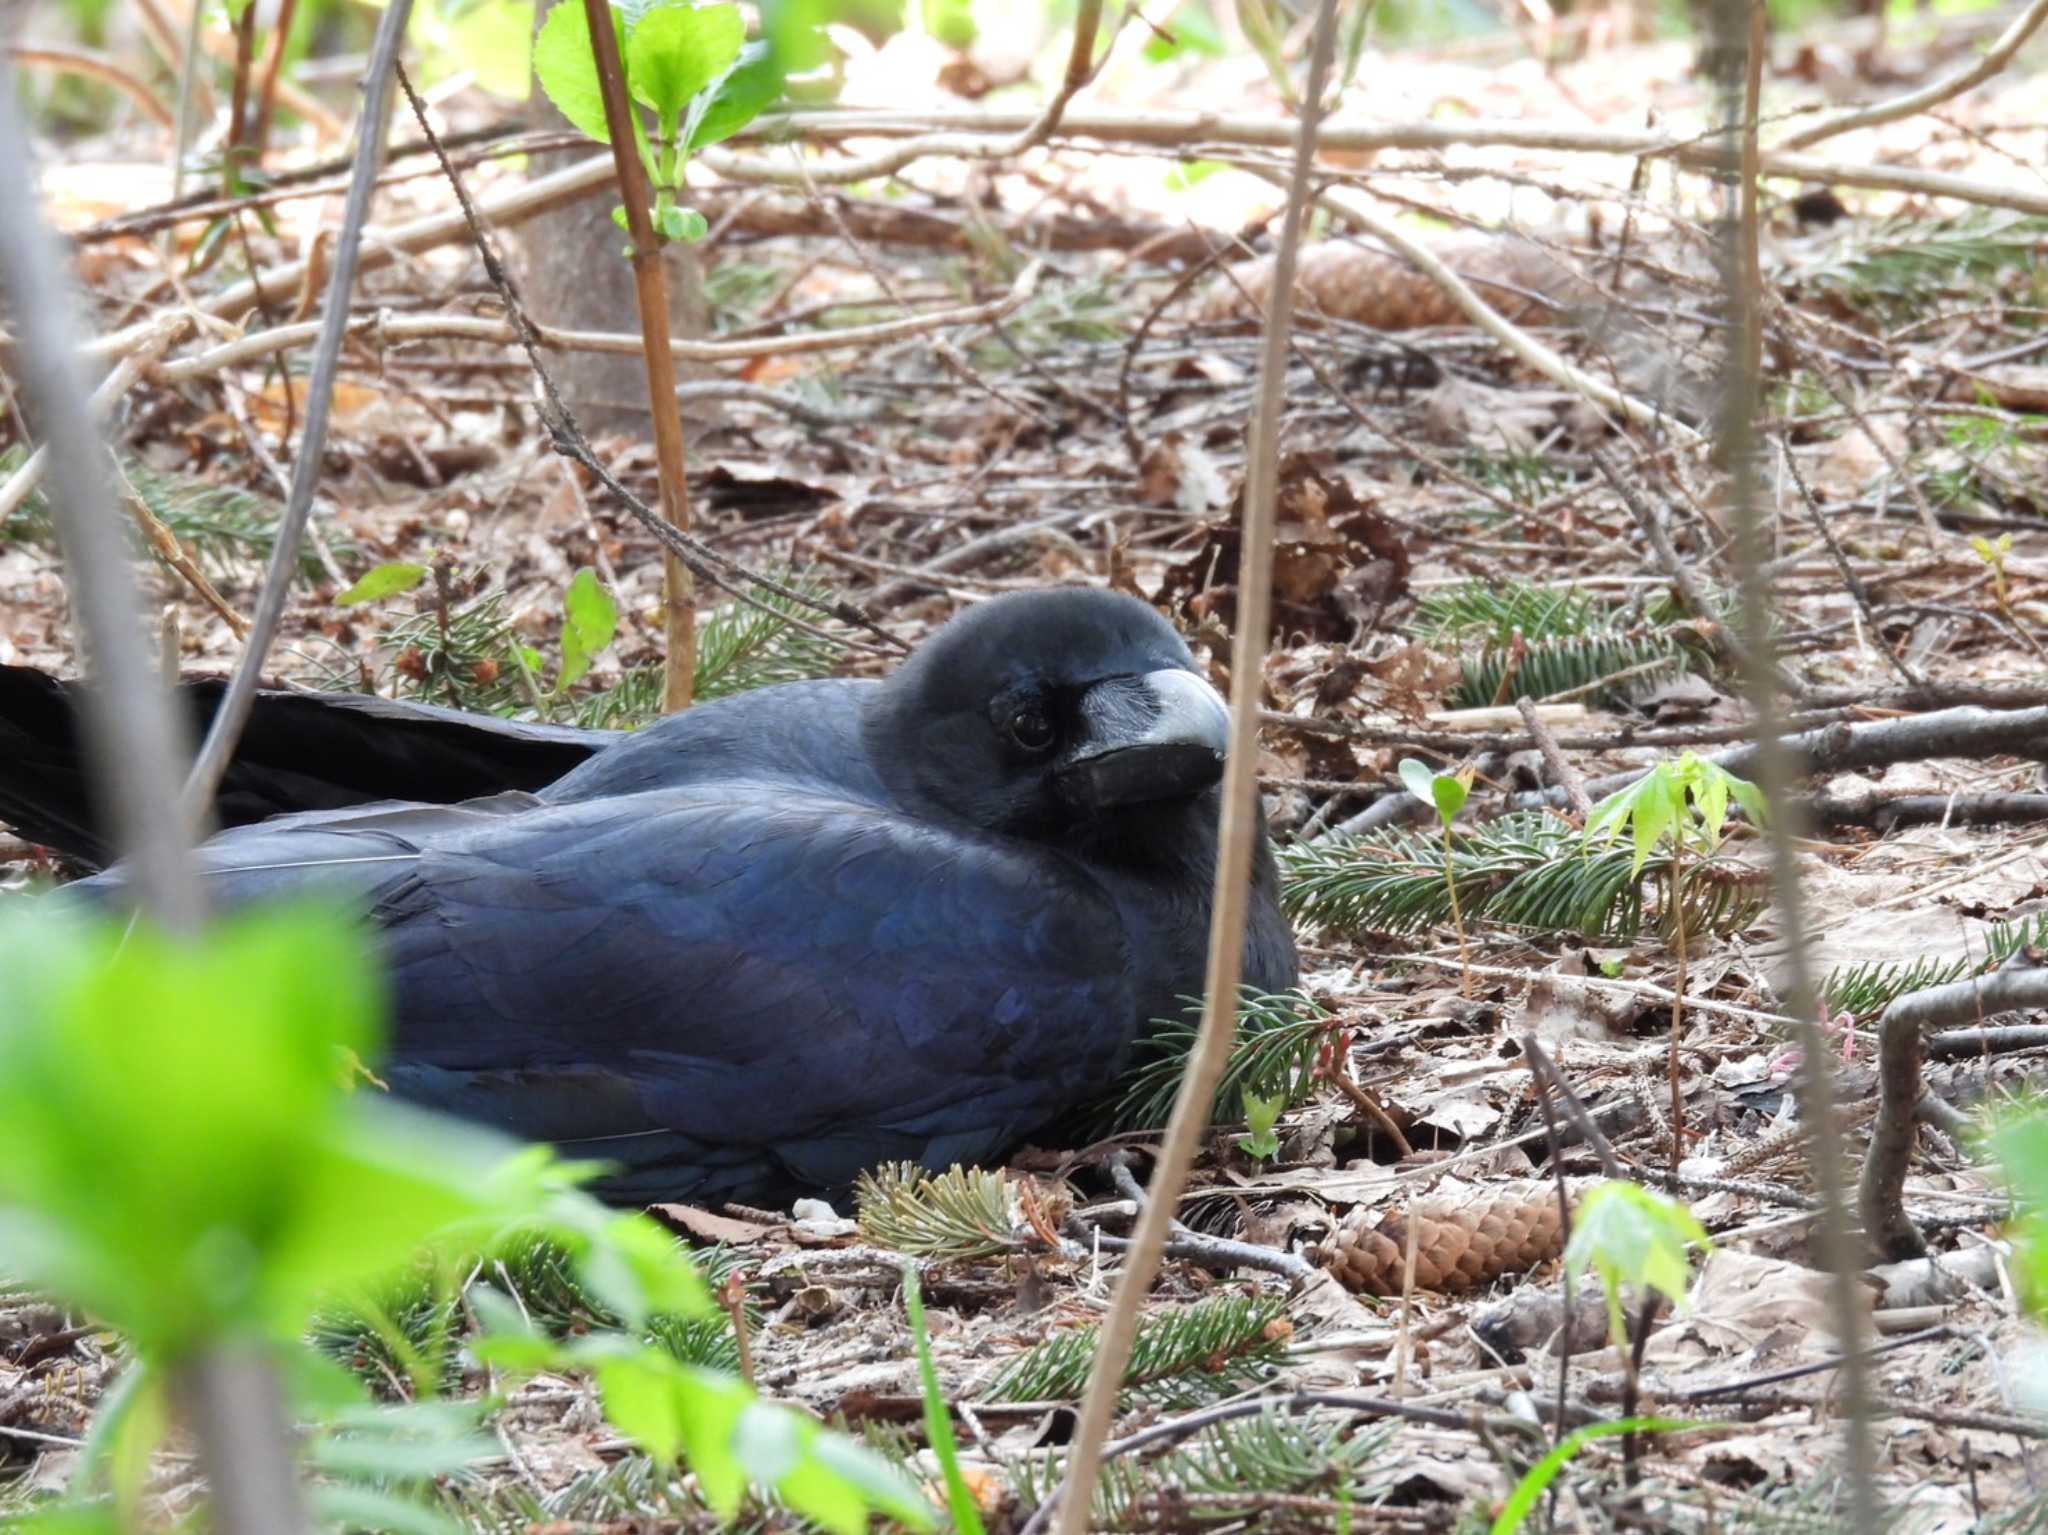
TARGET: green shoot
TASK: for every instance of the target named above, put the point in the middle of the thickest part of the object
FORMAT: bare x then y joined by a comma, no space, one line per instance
1521,1503
1261,1115
690,65
1632,1237
1682,801
1445,793
938,1423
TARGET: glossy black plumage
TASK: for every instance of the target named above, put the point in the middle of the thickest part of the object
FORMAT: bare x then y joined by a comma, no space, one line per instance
775,939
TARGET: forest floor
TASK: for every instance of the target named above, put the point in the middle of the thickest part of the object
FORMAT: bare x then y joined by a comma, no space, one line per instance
1449,544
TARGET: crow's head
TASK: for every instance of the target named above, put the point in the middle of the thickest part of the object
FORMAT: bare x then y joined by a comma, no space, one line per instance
1047,712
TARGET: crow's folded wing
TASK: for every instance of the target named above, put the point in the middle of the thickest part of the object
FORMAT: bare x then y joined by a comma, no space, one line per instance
723,988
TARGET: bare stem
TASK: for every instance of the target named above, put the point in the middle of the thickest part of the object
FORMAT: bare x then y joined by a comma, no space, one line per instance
650,289
1240,816
1735,31
233,712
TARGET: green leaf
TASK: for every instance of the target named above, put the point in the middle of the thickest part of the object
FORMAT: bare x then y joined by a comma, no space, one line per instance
1631,1236
950,22
643,1399
1189,174
132,1418
1537,1479
589,620
690,224
749,88
1751,799
176,1152
677,49
938,1422
1448,793
568,71
383,581
1420,779
357,1507
1261,1115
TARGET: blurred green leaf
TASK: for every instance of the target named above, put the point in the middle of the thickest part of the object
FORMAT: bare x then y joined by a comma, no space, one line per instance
1537,1479
174,1146
383,581
1190,29
494,41
950,22
938,1422
589,620
1261,1115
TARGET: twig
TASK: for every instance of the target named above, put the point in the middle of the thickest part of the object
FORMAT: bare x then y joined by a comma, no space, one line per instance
650,293
1850,583
1081,68
1738,35
1511,336
1238,832
233,710
1371,1108
1567,776
232,1391
22,483
132,734
173,554
1194,1246
1178,130
1552,1087
97,66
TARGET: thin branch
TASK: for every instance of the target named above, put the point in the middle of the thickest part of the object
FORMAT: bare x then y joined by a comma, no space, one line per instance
233,711
1901,1045
1511,336
232,1393
650,293
1238,832
1568,777
134,739
568,440
1737,40
22,483
1179,130
97,66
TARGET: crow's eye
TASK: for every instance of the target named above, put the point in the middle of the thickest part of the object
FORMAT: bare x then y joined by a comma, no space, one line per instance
1030,728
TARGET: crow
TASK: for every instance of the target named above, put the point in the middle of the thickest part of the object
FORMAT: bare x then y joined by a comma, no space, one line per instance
761,945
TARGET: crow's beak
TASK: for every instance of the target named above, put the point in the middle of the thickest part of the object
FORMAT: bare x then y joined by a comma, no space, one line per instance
1159,736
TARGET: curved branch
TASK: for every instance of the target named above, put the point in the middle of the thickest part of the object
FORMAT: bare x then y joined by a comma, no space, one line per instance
1901,1047
1933,93
97,66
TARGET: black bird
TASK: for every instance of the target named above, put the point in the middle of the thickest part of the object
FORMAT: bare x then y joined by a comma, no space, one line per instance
781,937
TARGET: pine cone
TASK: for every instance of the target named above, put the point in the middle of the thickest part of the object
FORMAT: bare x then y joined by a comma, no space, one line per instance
1463,1241
1340,280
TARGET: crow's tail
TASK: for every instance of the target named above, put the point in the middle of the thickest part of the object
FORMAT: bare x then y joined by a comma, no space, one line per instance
299,751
